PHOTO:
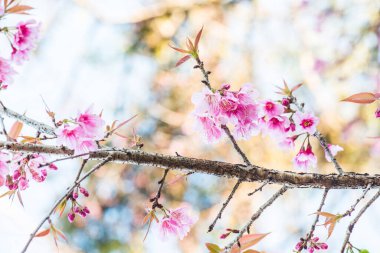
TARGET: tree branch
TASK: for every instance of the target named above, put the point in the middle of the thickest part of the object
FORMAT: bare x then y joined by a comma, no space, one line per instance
255,216
68,192
310,234
41,127
354,221
251,173
219,216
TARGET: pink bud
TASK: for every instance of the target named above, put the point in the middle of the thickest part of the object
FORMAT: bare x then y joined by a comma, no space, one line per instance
53,167
71,217
75,195
285,102
86,210
77,209
84,192
16,174
377,113
324,246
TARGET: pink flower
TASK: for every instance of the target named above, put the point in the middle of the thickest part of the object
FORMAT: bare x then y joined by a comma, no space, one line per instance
377,113
69,136
6,72
305,159
23,183
211,130
334,149
227,107
38,173
85,145
306,122
4,168
278,125
272,109
178,223
26,35
91,123
20,55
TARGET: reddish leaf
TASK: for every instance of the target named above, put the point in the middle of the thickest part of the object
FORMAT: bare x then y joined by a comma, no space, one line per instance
19,9
362,98
247,241
15,130
251,251
59,233
43,233
197,39
183,59
190,45
213,248
296,87
180,50
30,139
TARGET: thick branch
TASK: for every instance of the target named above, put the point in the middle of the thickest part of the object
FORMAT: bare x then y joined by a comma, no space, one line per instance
221,169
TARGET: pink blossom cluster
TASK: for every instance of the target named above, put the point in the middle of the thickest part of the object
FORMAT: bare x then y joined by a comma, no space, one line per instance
314,245
23,41
249,116
17,169
82,133
176,222
76,208
217,109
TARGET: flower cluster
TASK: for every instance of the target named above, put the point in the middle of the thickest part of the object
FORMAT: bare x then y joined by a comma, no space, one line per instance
17,169
176,222
217,109
314,245
22,40
82,133
76,208
249,116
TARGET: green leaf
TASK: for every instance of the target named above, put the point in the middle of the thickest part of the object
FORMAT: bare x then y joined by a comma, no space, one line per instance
213,248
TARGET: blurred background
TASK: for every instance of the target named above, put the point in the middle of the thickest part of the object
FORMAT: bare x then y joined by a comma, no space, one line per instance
114,55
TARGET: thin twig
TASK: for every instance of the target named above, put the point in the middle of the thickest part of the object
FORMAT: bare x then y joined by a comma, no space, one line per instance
236,146
349,212
158,195
356,219
310,234
68,192
80,170
4,129
255,216
219,216
258,189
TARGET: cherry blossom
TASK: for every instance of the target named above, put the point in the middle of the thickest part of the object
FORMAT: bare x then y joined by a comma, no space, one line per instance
177,223
272,109
82,134
26,35
212,110
306,122
305,159
6,73
334,149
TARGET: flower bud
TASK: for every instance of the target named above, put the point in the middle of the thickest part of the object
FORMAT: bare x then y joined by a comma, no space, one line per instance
84,192
71,217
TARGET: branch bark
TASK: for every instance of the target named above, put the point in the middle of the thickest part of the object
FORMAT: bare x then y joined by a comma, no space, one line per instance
251,173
